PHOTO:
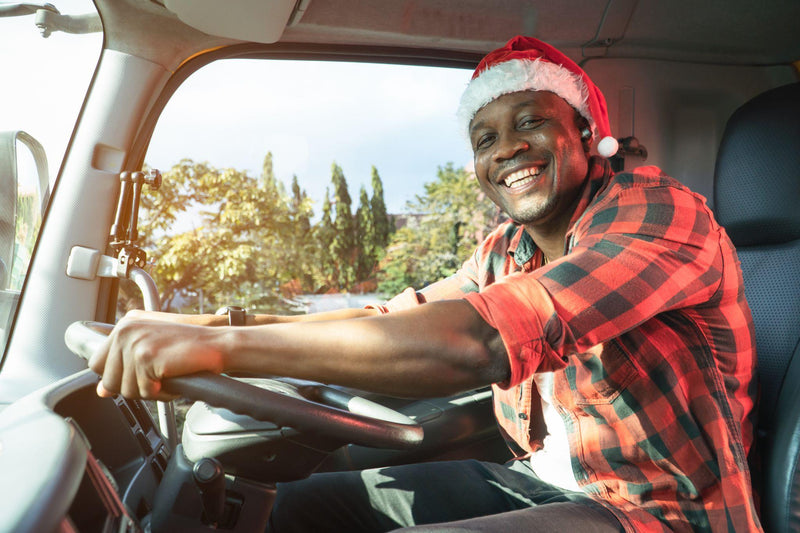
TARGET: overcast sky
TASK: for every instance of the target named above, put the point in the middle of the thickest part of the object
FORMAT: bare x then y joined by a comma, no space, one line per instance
400,119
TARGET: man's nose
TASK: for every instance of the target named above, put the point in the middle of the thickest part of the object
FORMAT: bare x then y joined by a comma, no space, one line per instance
509,146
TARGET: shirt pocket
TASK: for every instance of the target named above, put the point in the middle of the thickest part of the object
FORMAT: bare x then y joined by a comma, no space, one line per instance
601,374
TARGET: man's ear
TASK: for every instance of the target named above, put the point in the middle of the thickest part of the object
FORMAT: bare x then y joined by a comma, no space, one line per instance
585,132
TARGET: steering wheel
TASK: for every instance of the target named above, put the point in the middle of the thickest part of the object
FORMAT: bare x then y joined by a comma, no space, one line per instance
303,405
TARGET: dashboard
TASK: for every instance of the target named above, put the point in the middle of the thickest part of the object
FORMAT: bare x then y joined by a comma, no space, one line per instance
75,462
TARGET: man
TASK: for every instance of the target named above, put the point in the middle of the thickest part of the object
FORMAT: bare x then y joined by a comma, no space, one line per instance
609,317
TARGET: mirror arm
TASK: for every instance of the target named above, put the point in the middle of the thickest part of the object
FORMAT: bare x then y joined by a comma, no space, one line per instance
130,263
118,229
49,21
49,18
123,236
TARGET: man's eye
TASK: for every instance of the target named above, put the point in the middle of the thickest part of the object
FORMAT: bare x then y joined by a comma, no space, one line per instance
530,122
484,141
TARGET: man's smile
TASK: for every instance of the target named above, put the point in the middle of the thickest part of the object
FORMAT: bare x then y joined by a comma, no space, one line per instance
520,178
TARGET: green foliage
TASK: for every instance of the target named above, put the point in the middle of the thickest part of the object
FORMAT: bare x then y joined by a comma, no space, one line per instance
323,236
448,221
27,221
300,247
343,244
238,232
366,245
252,243
383,226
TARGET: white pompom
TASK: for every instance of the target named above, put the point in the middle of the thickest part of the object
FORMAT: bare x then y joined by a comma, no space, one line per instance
607,146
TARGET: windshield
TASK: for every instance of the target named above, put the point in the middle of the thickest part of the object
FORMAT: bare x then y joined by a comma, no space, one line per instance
46,72
301,186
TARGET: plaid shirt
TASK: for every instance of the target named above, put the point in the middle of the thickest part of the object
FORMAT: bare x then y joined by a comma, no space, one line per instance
645,327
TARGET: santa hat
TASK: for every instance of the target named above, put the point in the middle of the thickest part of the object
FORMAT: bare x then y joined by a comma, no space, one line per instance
528,64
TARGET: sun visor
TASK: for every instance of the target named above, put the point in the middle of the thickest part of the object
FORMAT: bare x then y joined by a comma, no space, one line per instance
247,20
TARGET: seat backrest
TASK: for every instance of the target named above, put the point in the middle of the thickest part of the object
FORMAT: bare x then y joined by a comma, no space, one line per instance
757,200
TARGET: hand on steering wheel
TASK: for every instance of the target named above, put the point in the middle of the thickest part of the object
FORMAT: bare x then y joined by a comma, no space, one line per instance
315,408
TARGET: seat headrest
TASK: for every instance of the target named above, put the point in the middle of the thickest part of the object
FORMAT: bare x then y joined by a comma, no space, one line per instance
757,177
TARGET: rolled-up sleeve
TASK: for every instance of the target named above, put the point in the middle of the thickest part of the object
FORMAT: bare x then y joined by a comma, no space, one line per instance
520,309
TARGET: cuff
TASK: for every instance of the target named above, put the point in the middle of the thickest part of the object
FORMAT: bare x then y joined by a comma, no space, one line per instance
521,310
407,299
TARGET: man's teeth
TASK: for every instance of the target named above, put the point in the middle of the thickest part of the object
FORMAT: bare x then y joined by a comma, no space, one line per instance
522,177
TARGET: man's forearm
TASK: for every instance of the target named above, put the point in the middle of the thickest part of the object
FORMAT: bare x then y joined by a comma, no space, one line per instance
254,319
338,314
433,350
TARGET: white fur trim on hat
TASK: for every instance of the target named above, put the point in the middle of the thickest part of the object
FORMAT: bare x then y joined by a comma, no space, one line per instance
523,75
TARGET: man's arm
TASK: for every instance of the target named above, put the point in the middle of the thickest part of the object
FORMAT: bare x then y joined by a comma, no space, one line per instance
251,320
432,350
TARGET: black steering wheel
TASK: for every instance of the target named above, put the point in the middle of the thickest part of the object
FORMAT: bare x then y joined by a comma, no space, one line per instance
303,405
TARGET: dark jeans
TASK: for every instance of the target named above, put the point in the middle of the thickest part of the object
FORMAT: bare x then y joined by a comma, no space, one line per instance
455,496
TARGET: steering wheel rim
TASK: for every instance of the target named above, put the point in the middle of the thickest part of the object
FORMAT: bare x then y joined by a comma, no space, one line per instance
357,423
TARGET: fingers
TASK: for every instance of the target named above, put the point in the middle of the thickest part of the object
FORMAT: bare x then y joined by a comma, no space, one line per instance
102,391
125,362
140,352
97,362
159,396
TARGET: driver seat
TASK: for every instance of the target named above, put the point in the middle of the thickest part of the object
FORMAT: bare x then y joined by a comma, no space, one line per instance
757,200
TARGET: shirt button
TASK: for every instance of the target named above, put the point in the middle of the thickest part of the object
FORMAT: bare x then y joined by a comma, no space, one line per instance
523,416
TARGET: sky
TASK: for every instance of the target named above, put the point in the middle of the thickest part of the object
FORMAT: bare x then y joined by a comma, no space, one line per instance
45,80
229,114
400,119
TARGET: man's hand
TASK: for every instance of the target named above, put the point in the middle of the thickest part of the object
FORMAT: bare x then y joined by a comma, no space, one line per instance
143,349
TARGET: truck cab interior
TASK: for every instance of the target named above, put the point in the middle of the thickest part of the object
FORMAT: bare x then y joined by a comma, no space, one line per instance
707,91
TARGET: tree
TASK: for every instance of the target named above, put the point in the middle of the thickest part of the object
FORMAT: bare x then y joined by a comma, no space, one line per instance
245,241
300,209
451,218
343,244
367,249
234,248
383,226
268,180
299,243
323,236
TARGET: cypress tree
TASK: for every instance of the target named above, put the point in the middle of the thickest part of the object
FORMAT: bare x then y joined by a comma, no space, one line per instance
343,242
268,181
365,237
301,216
324,233
383,226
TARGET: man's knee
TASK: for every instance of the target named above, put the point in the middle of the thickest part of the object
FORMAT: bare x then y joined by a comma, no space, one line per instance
323,502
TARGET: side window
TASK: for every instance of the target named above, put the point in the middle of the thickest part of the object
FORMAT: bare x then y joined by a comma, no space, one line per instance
46,73
293,187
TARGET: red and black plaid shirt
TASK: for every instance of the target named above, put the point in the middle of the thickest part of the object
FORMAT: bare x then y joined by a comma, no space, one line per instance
646,329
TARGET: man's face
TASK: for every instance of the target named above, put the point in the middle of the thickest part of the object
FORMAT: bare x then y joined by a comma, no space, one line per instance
529,157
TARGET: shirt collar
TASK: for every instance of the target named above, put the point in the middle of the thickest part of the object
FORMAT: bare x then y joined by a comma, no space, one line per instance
522,248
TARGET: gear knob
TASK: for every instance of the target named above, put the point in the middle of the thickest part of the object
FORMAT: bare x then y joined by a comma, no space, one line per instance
210,480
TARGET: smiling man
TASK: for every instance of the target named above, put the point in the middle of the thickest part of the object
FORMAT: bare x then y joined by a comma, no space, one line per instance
608,315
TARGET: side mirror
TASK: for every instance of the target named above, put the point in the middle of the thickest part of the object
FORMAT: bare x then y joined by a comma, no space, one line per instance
24,193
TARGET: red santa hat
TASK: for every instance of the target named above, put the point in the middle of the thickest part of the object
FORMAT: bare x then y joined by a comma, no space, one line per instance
528,64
